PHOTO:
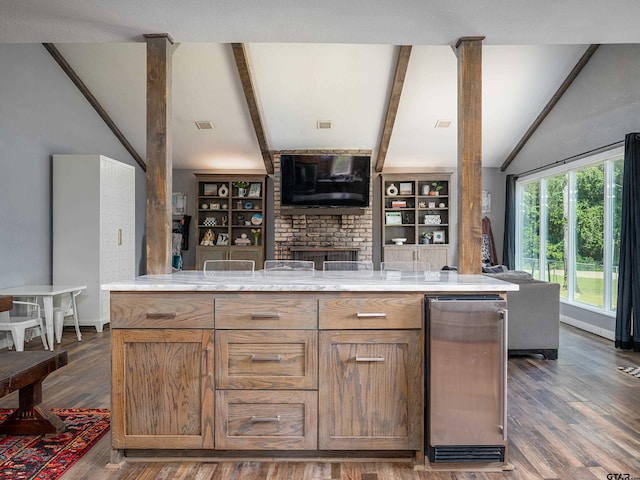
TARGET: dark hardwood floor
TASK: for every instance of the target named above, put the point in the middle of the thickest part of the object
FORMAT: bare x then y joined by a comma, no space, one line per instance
572,418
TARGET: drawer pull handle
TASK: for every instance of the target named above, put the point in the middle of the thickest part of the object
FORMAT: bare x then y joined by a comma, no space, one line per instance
369,359
255,419
258,358
158,316
264,315
371,315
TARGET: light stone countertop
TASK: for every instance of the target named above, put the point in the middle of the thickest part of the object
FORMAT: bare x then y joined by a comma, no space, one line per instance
316,281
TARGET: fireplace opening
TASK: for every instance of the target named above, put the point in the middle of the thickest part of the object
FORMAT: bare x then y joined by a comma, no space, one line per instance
320,255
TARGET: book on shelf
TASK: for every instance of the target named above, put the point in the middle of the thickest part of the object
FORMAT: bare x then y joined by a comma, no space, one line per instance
399,204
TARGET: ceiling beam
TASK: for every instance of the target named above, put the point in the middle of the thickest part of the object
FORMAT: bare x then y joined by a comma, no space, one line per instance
552,103
75,78
404,53
240,54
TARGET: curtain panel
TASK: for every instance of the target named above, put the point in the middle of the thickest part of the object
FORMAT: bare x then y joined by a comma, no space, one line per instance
627,313
509,237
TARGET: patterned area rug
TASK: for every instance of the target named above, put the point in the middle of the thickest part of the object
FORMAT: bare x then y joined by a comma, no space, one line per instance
635,371
26,457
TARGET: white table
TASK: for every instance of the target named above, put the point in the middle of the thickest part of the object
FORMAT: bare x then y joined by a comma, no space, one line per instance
46,292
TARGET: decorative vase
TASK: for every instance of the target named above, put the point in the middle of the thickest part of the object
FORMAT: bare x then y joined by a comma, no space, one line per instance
223,191
242,192
392,190
256,237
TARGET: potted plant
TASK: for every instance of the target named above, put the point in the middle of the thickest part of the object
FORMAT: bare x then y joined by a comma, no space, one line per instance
426,237
435,189
242,188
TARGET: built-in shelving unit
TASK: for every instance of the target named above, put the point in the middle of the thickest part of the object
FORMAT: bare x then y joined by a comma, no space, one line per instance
415,207
230,218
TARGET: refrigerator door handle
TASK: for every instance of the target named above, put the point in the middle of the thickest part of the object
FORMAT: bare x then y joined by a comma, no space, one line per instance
502,413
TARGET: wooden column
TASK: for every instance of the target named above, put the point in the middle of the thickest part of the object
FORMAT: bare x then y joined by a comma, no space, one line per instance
469,53
159,160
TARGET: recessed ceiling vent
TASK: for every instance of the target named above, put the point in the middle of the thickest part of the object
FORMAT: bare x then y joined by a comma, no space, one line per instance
443,124
323,124
204,125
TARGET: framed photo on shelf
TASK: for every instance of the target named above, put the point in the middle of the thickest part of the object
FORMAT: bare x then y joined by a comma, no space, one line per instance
393,218
223,239
178,203
486,201
210,189
438,236
254,190
406,188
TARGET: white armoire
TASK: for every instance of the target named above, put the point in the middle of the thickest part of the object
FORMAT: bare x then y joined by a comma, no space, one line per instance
93,229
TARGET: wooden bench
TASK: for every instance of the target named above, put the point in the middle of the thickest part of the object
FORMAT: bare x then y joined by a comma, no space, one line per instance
25,371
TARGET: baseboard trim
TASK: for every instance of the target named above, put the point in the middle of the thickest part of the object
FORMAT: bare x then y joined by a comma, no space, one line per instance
602,332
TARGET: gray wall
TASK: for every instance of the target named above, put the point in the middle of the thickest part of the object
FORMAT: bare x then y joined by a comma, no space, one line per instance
493,181
42,113
600,108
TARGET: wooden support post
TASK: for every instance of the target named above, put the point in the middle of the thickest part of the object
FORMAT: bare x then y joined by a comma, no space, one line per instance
469,53
159,160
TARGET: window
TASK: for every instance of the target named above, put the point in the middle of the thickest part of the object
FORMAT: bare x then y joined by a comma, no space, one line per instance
568,229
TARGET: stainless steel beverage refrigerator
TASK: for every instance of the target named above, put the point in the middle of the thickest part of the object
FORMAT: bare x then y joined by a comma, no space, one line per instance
466,382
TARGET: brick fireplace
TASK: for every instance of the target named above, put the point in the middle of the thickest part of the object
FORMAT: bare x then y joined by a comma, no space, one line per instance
321,235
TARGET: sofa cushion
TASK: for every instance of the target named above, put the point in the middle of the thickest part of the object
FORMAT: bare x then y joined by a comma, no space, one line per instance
494,269
513,276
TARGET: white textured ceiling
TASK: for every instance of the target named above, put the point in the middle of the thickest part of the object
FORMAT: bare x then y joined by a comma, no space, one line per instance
317,61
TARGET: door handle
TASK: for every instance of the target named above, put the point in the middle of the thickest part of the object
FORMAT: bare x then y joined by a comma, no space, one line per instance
255,419
266,358
371,315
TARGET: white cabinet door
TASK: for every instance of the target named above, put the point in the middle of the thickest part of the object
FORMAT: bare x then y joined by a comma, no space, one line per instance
93,228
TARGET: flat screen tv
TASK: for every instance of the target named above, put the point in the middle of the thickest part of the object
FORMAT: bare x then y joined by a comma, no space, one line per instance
324,180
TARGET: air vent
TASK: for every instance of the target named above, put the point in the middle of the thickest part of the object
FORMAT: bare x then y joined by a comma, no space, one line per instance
443,123
204,125
472,453
323,124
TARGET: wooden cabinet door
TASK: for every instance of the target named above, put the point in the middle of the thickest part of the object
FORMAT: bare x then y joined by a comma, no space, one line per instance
437,256
370,390
404,253
162,388
247,253
210,253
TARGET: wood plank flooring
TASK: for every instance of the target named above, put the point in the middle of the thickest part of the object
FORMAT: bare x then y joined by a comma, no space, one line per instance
572,418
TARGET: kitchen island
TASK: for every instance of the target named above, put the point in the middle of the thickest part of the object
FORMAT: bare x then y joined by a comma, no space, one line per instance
274,364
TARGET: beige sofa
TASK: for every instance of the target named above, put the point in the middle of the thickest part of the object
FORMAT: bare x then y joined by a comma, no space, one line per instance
534,315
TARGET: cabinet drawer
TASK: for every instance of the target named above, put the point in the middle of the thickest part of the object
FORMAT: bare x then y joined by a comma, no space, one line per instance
267,359
371,312
161,310
259,420
266,312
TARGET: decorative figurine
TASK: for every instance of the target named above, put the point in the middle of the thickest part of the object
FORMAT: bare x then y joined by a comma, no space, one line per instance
208,238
